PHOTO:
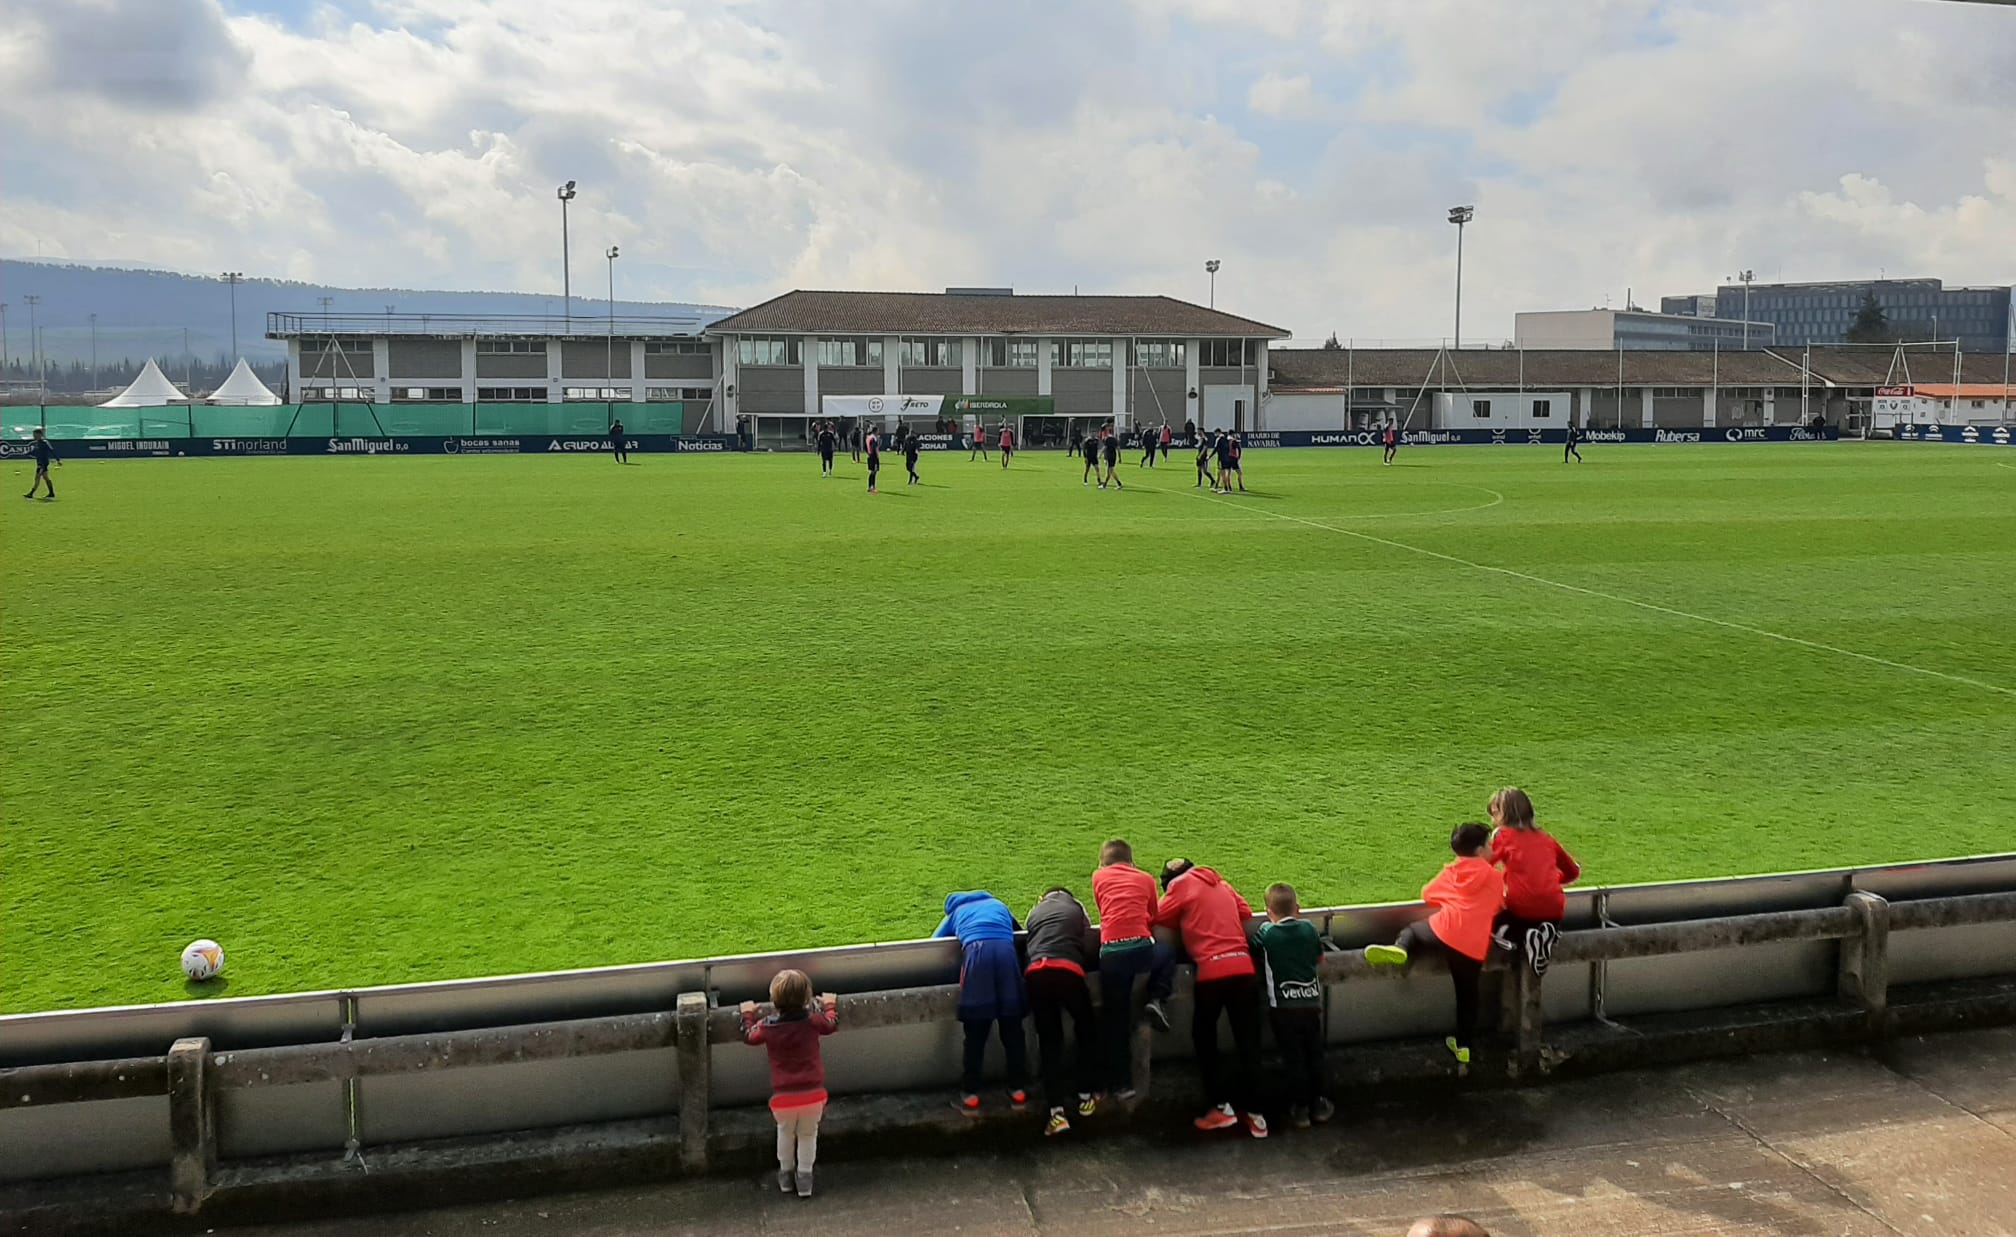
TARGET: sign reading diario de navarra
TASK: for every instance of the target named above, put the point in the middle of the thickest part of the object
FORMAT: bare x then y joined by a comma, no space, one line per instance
498,444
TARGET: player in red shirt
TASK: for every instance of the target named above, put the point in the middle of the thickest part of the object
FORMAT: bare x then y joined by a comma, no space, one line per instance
1536,868
979,441
1007,443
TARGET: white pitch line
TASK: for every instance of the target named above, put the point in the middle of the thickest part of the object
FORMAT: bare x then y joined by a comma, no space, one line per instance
1628,601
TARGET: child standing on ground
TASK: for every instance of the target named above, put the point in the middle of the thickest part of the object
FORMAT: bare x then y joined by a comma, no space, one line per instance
1127,899
1211,916
1465,897
1059,947
990,989
797,1075
1290,949
1536,869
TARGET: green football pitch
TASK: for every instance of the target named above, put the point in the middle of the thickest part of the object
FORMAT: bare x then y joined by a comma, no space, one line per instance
375,720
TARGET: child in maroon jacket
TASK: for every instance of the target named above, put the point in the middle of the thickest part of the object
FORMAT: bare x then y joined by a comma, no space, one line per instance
1536,868
797,1076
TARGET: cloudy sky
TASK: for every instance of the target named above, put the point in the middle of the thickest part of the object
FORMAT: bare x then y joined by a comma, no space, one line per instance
737,148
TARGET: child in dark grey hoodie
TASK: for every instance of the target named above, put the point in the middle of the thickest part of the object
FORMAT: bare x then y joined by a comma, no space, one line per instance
1060,942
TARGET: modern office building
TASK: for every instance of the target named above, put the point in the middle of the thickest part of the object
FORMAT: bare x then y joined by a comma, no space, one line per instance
1610,329
1917,309
1688,306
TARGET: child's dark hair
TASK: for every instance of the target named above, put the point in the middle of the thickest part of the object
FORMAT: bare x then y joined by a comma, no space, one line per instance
1173,869
790,991
1281,899
1470,838
1055,889
1116,851
1513,808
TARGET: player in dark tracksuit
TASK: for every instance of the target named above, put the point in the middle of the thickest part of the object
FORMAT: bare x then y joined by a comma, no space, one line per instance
1222,448
1089,448
1147,447
1110,445
910,449
873,446
1204,463
619,446
1568,444
828,443
1238,462
44,451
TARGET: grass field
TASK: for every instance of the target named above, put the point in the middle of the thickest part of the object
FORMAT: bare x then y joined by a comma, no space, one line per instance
373,720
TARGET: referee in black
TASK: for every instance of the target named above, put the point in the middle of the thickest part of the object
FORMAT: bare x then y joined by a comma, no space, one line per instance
1568,444
1110,445
44,451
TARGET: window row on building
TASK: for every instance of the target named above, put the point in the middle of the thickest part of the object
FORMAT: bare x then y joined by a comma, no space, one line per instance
942,352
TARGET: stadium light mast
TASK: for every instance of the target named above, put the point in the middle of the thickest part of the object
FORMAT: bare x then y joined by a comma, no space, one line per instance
609,362
93,318
566,193
1460,215
35,347
1211,269
1744,277
234,278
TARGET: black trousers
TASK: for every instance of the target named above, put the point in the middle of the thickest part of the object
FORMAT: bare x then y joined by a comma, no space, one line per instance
1298,1033
1052,995
1464,971
874,466
1012,1044
1238,998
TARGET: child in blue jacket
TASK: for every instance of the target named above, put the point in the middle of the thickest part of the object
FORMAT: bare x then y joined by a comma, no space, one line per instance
990,988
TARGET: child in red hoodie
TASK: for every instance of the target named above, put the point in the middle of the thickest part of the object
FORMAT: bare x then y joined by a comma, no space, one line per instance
1127,898
1212,918
1464,898
1536,868
797,1075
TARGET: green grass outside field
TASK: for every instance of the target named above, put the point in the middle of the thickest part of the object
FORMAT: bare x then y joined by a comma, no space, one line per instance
376,720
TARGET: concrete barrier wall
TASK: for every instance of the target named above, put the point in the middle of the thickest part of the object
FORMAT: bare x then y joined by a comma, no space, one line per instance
335,1074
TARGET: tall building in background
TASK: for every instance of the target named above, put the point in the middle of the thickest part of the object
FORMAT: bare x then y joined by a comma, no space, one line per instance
1918,309
1637,329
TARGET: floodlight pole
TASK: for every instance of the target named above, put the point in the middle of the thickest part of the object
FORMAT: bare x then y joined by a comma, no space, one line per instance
566,193
1746,276
1460,215
1211,269
94,350
609,359
35,355
233,278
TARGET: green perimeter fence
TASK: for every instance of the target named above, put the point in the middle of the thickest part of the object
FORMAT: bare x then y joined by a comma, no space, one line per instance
345,420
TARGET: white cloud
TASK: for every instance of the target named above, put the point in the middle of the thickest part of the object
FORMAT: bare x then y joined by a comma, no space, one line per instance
1287,97
735,150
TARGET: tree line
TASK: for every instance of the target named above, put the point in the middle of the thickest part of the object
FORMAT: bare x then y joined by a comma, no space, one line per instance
78,377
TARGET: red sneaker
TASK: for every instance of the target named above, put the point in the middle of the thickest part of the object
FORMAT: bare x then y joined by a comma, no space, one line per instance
1018,1097
1255,1124
1219,1118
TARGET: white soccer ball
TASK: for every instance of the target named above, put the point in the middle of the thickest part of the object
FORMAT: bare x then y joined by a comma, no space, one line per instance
202,960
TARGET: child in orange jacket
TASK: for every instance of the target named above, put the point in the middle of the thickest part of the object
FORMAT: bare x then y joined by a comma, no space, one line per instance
1464,898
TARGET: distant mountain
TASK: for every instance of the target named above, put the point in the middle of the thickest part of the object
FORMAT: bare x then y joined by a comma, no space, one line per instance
143,313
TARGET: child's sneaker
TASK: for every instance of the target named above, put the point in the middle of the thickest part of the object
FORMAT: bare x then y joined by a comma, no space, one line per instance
785,1180
1018,1097
1385,955
969,1103
1087,1103
1501,936
1219,1118
1298,1116
1540,946
805,1184
1324,1111
1457,1050
1157,1016
1125,1095
1256,1125
1058,1124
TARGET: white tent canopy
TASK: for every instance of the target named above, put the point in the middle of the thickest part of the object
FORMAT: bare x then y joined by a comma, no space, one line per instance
243,387
151,389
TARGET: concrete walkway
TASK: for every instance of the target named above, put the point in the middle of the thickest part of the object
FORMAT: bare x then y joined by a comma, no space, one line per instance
1920,1141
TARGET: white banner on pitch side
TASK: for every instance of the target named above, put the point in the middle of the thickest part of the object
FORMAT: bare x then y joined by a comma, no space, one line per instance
887,407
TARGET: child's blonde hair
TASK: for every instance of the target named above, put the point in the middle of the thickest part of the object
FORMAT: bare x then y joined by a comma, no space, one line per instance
790,991
1512,808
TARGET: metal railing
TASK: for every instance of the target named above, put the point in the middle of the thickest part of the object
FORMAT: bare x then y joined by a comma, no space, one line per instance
267,1087
584,325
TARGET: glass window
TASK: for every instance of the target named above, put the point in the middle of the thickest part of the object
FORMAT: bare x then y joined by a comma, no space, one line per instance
853,350
1081,353
675,347
929,353
1225,352
595,393
762,350
1480,407
1011,353
1543,408
1159,353
508,347
510,395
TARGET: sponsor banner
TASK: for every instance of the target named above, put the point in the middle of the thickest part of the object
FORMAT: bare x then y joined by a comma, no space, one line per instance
941,442
1965,435
1538,437
883,406
524,444
1895,392
993,409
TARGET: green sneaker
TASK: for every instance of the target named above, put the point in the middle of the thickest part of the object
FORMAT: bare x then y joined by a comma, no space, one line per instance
1457,1050
1385,955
